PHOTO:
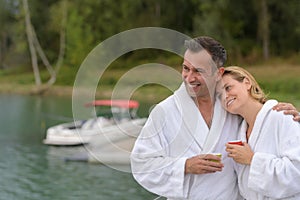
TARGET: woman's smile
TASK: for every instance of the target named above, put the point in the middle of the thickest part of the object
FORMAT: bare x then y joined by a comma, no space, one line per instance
230,101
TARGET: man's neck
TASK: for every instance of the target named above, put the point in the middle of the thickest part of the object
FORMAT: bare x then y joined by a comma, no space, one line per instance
206,108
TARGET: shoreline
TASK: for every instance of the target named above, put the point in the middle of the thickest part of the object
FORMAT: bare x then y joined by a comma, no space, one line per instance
153,93
148,95
42,90
54,90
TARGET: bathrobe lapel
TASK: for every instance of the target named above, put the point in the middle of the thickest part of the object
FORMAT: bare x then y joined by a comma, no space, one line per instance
255,134
259,122
193,121
215,132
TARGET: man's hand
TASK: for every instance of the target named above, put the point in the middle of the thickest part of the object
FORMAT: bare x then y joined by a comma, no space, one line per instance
288,109
203,164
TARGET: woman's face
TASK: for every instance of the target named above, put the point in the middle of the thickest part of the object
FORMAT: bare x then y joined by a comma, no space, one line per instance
234,94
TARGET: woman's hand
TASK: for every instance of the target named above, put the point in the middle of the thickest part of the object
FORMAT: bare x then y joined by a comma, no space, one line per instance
240,154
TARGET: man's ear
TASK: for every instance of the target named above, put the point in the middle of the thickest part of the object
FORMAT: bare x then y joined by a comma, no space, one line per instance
220,73
221,70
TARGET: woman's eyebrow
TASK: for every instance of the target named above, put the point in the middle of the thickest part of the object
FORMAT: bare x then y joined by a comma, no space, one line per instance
225,85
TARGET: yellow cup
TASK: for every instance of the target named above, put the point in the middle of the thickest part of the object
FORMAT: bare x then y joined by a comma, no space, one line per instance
217,154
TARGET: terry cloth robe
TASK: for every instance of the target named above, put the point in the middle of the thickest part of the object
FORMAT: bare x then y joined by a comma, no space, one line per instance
275,168
175,131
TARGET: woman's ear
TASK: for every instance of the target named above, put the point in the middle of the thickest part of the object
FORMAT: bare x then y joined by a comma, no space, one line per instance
247,82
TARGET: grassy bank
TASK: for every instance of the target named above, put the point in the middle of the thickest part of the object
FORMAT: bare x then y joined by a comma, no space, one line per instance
281,82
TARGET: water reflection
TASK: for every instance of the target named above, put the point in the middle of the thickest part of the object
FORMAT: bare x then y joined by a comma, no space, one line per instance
31,170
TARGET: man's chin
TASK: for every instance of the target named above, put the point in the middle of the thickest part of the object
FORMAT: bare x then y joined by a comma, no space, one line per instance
192,93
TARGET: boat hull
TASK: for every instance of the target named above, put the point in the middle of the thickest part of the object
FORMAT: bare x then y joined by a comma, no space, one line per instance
62,135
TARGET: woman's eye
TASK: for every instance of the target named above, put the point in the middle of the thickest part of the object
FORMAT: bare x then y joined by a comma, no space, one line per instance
227,88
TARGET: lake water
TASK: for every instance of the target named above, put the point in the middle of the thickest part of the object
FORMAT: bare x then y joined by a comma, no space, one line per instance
31,170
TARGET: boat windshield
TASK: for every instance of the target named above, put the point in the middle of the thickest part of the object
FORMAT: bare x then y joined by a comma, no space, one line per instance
115,112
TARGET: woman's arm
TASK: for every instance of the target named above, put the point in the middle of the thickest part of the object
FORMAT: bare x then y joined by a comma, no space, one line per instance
277,174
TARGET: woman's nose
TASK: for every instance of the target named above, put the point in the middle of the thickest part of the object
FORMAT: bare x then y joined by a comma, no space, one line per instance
224,95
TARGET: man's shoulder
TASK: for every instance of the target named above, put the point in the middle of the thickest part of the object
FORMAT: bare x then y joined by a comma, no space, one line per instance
163,112
167,103
165,109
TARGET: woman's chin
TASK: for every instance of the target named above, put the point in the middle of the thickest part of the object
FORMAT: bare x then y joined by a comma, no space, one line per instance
231,110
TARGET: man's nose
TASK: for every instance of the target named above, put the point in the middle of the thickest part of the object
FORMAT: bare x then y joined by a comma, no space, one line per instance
190,76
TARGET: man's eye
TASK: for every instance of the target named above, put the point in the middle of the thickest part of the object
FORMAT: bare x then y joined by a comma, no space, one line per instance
185,68
201,71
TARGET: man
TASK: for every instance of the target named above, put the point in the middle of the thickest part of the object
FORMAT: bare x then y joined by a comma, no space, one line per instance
174,154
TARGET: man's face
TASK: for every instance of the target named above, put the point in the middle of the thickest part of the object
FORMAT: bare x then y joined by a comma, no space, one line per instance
199,73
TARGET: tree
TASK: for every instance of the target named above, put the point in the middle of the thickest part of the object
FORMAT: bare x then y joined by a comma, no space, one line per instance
284,27
6,19
35,47
263,26
30,38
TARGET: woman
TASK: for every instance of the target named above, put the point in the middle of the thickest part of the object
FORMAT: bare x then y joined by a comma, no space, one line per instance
269,160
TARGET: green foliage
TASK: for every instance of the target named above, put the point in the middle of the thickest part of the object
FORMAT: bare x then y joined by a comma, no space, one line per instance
286,24
41,17
79,36
233,22
280,81
66,76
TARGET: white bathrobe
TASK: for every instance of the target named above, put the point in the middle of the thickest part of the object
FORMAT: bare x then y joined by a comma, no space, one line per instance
174,132
275,169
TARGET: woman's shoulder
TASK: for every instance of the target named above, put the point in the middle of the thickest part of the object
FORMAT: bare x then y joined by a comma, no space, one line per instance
281,118
273,115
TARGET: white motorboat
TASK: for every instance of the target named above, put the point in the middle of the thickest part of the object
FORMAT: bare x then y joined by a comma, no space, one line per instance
112,147
121,119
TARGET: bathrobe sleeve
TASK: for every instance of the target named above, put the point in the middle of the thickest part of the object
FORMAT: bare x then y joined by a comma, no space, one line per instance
278,176
151,163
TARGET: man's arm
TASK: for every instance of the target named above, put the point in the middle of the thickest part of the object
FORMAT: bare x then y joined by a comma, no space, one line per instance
289,109
151,164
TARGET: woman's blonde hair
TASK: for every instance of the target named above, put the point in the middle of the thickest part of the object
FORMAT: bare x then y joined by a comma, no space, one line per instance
240,74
